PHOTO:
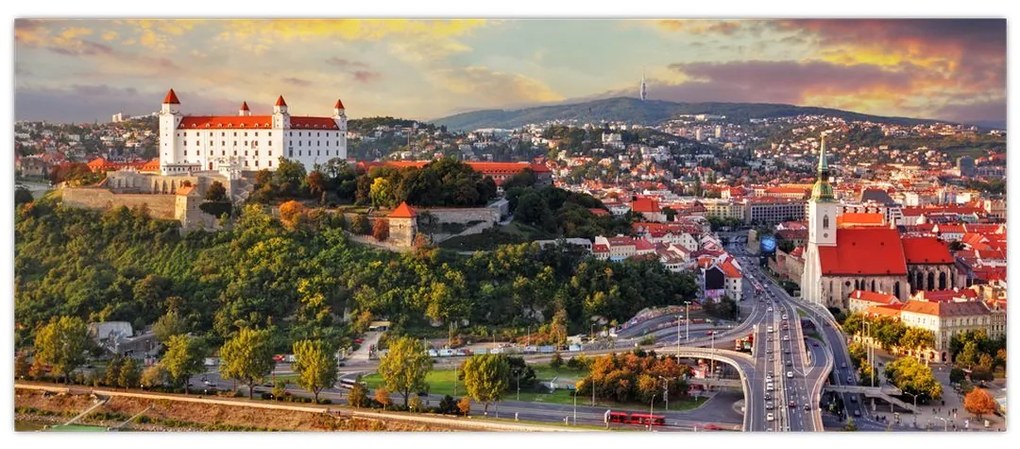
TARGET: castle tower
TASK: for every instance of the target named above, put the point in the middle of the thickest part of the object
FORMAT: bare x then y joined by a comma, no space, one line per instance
244,111
169,119
403,225
281,118
822,212
340,117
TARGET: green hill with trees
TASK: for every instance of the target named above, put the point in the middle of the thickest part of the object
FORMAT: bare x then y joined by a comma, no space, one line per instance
649,112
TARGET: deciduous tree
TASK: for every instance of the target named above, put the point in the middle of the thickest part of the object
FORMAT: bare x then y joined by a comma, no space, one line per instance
979,402
315,365
382,396
486,378
405,366
358,397
248,357
381,229
216,192
129,374
62,344
183,358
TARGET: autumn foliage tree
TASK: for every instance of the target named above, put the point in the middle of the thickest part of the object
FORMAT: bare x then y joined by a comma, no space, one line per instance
631,377
381,229
290,214
979,402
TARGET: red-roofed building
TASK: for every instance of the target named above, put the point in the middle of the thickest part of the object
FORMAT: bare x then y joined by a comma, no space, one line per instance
648,207
403,225
247,142
860,300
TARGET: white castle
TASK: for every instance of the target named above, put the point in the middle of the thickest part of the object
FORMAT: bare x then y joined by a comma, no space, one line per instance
245,142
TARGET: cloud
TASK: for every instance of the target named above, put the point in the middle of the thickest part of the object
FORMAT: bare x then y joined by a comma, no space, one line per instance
366,76
704,26
493,88
297,82
993,111
345,63
89,102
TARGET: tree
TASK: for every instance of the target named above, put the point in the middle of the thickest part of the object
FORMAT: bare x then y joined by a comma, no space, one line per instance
315,365
248,357
464,405
913,377
957,375
970,354
979,402
169,325
404,367
216,192
183,358
358,397
558,327
62,344
382,396
486,378
381,193
850,426
21,365
291,213
21,196
359,224
557,361
153,376
316,183
381,229
280,390
129,374
112,373
415,404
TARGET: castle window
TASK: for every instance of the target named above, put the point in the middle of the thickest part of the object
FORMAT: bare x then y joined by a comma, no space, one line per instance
198,152
235,152
235,133
270,163
270,134
317,153
256,162
291,153
185,143
222,134
256,133
270,153
246,134
223,153
825,222
210,143
185,152
245,162
223,143
270,143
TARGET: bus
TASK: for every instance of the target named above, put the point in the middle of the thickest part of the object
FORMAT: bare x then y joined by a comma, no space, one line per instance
349,383
634,418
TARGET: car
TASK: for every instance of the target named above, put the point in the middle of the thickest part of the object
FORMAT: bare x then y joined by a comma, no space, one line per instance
786,350
789,374
853,398
793,404
769,405
770,417
768,397
768,309
842,365
786,338
857,413
770,387
789,363
807,407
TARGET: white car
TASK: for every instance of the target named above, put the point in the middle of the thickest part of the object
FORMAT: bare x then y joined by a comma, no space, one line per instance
770,417
789,374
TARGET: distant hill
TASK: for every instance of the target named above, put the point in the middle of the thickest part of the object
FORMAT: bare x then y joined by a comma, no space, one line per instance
650,112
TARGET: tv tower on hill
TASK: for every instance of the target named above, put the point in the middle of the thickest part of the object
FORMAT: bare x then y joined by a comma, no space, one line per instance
644,87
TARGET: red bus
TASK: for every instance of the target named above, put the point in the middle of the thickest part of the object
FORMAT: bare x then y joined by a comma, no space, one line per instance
646,419
617,417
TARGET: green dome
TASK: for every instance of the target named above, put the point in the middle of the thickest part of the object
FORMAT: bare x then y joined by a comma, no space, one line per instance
822,191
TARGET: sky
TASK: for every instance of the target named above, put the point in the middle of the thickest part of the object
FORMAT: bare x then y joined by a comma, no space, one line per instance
87,69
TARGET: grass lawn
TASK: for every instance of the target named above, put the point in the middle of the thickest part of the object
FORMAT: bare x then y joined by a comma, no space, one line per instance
801,312
491,238
442,382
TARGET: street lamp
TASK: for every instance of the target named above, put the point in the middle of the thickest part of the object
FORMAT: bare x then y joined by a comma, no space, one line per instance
575,407
915,406
945,424
666,392
651,406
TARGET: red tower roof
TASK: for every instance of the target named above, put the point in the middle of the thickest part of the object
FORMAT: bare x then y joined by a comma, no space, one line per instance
280,102
244,106
339,104
403,211
171,98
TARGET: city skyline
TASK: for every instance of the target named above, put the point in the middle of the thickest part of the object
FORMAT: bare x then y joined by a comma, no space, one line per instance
944,69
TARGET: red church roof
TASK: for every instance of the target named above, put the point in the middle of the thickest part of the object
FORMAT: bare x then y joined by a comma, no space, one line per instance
403,211
244,106
280,102
926,250
171,98
864,251
339,104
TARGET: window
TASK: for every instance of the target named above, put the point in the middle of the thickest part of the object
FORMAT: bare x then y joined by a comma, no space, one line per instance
291,153
270,143
270,135
270,163
185,152
299,143
235,133
235,152
270,153
198,152
223,134
223,153
317,153
210,143
256,162
256,133
246,134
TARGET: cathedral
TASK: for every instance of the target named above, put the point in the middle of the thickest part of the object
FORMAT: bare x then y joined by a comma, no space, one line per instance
246,142
862,251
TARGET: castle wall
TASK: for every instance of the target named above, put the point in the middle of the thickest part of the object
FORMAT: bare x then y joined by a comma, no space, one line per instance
160,206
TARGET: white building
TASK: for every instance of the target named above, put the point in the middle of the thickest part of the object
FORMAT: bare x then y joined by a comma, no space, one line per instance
253,142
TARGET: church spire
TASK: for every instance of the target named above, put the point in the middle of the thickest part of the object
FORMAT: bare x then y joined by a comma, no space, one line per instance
822,190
